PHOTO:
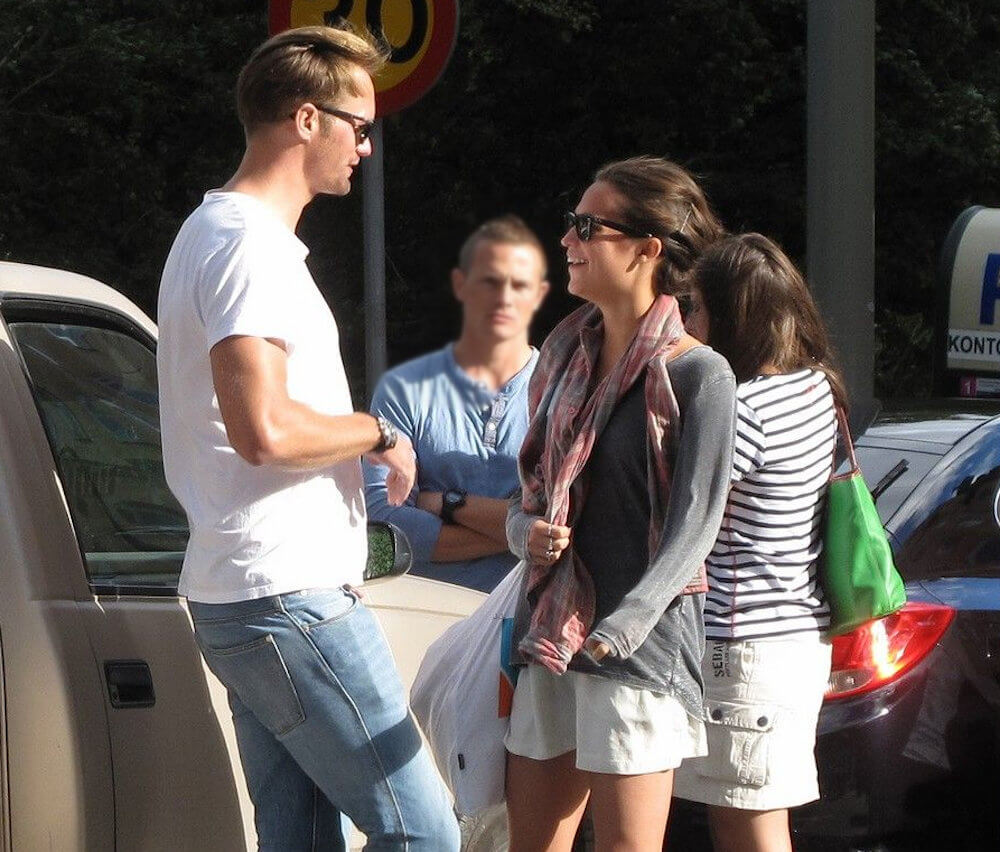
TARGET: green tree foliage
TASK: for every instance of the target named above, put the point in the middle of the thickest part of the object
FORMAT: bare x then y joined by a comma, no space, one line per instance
539,94
114,117
937,152
117,114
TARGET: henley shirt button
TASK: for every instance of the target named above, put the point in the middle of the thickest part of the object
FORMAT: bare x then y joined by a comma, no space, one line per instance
762,721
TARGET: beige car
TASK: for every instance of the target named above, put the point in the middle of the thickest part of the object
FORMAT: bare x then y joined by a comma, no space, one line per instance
114,735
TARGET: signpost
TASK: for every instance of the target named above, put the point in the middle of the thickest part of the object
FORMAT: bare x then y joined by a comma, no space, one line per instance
420,35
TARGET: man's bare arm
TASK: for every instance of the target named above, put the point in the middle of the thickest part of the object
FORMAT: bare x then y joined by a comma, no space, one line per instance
266,426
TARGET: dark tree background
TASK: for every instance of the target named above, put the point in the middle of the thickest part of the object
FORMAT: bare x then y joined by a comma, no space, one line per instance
116,115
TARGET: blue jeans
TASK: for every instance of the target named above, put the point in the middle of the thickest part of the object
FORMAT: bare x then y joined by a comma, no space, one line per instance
323,724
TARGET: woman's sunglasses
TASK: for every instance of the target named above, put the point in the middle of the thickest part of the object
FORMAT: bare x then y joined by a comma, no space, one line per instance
583,224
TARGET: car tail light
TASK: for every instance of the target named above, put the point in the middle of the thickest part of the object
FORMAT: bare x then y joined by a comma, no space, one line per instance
882,650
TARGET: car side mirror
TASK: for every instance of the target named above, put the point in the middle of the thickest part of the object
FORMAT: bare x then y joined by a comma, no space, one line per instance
389,552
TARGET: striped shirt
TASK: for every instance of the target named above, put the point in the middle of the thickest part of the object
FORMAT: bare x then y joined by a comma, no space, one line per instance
762,572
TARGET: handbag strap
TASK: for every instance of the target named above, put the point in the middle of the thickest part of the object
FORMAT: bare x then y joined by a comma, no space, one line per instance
844,430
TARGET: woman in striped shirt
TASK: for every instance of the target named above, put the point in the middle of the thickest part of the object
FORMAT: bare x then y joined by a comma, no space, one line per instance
766,662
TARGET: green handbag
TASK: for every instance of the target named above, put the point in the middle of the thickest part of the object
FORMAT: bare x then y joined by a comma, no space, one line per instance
857,573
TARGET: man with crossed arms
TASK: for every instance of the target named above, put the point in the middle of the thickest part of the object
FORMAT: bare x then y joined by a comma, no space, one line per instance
465,409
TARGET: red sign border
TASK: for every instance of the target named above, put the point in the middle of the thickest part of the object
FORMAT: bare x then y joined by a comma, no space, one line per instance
406,92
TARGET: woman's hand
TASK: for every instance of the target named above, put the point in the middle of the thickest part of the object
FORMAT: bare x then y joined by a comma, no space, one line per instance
597,650
546,542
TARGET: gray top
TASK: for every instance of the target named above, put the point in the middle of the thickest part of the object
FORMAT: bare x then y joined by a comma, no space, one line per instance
655,633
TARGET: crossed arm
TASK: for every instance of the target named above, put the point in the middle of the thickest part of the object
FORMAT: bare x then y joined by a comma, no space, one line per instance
479,528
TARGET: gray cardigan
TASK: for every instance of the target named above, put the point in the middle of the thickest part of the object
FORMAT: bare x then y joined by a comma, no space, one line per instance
656,634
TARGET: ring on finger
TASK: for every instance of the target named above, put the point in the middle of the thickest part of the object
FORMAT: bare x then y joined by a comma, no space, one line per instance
550,553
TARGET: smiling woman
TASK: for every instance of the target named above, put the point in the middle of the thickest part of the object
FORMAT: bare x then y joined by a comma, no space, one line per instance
624,408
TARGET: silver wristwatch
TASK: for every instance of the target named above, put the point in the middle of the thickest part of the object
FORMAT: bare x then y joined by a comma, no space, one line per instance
388,436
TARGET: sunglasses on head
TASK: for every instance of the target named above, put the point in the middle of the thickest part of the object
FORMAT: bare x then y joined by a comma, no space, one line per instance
583,224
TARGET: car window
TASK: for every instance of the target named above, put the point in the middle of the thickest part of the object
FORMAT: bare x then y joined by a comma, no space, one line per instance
95,388
949,528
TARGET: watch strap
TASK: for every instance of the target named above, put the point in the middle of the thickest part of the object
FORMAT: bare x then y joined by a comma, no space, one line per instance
452,500
388,436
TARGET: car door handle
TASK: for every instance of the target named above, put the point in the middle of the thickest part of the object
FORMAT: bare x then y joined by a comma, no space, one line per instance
130,683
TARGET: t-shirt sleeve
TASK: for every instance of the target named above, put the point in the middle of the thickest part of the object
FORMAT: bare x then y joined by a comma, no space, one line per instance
748,453
241,292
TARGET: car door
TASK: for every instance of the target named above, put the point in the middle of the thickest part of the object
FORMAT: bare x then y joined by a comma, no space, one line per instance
950,554
93,385
56,788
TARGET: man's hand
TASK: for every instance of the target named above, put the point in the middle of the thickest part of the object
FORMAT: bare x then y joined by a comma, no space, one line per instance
430,501
402,464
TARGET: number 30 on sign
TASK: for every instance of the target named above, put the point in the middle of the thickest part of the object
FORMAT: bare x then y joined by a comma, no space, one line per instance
420,34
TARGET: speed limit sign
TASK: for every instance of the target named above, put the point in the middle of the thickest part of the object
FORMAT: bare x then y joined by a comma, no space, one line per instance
420,35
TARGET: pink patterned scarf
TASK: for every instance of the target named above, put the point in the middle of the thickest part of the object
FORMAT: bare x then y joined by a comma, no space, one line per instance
567,416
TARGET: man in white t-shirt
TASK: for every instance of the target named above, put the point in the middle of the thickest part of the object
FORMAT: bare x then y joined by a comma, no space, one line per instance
262,447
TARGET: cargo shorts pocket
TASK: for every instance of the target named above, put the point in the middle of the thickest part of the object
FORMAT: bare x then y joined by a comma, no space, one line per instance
258,675
739,737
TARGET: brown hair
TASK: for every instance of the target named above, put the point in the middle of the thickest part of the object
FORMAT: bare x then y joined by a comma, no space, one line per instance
299,65
508,230
665,200
760,311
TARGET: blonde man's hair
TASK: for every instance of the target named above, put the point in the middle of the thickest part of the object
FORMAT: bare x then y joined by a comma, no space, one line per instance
305,64
505,230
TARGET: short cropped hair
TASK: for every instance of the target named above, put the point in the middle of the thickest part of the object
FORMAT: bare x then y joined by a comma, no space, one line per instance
311,64
508,230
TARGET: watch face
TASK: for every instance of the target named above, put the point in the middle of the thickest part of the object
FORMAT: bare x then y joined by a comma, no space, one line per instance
451,500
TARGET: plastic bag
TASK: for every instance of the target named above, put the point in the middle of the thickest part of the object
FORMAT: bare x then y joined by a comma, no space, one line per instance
462,696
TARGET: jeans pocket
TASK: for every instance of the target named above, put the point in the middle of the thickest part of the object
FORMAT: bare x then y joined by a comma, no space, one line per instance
321,608
738,742
257,674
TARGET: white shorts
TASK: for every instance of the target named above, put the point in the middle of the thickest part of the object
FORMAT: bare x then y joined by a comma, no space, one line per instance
762,700
614,728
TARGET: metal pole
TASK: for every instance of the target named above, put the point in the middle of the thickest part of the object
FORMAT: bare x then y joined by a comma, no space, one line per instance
373,218
840,183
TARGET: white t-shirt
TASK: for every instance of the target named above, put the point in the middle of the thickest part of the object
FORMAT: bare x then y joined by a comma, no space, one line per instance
236,269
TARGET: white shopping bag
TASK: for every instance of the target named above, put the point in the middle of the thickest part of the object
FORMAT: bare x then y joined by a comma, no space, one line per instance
462,695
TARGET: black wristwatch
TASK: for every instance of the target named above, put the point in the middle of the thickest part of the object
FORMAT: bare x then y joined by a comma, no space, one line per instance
387,434
451,501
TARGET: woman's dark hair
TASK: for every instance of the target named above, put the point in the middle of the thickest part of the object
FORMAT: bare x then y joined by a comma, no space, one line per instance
663,199
761,313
